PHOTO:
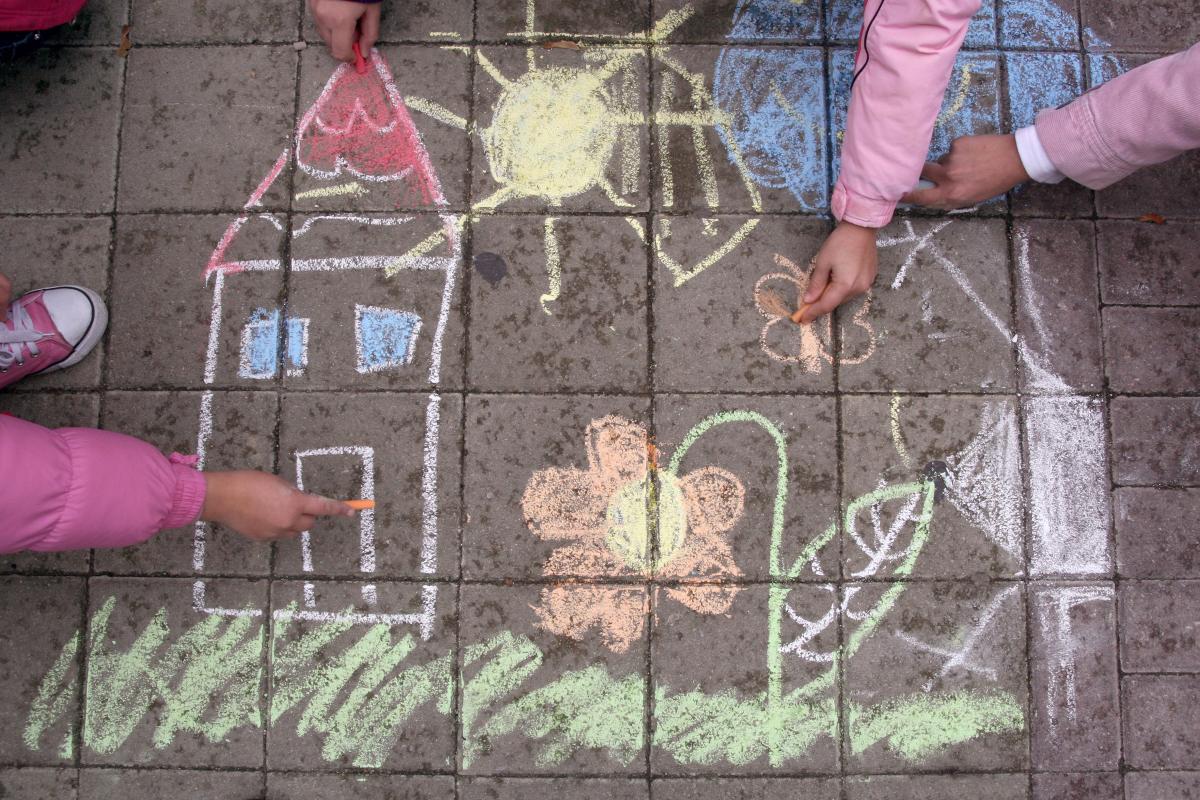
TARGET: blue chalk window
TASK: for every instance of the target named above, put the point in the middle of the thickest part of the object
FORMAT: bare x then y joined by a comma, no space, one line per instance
260,345
384,338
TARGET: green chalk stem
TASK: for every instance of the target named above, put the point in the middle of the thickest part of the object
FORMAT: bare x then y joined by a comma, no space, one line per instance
779,590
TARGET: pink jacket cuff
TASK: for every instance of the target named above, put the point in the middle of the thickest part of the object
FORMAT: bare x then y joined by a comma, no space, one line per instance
865,211
1072,139
190,491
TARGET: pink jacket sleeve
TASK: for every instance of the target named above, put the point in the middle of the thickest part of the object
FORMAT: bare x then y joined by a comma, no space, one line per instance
74,488
1146,116
912,45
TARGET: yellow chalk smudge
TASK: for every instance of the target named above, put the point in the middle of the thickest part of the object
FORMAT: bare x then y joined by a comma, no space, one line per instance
897,434
436,111
553,265
353,188
682,275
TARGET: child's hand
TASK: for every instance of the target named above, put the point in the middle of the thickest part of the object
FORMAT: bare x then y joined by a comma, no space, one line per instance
844,268
977,168
264,507
341,23
5,297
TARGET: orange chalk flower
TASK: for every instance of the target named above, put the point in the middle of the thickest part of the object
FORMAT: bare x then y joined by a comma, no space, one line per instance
777,295
626,517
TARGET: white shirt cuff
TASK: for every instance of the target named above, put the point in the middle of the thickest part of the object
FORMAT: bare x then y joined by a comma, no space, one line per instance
1034,158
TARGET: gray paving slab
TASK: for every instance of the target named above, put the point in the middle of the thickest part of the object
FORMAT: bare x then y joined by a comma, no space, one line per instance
97,23
936,787
1077,786
703,643
1073,668
162,305
39,782
506,19
301,786
64,111
1160,729
890,441
745,788
597,163
526,458
744,447
213,23
566,310
1154,440
182,107
115,784
929,334
1147,785
538,789
1155,537
960,635
434,87
711,314
1148,264
1169,367
413,529
1158,626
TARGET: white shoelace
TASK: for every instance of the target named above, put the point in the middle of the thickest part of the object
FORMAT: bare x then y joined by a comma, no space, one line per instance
22,336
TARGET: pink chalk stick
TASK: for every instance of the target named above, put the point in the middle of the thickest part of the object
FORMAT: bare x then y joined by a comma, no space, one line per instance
360,63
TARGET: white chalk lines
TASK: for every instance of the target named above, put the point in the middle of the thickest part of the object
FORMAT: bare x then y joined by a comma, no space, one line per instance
385,340
1065,495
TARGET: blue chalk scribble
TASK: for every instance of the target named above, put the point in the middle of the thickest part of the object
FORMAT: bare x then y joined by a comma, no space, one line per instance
385,337
1037,23
776,20
1040,80
775,102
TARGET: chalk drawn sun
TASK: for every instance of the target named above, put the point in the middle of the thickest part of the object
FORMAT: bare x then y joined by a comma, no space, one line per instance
557,131
627,517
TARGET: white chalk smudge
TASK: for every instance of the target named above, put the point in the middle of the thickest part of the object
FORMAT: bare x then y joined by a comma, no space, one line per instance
1053,607
960,658
987,479
1068,480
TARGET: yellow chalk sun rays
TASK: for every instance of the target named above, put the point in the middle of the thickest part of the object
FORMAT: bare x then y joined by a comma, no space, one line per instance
555,132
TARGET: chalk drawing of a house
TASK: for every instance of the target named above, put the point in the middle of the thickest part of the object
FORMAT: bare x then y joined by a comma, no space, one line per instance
358,133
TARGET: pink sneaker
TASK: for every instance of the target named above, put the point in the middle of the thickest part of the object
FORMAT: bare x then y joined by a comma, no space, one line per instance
48,330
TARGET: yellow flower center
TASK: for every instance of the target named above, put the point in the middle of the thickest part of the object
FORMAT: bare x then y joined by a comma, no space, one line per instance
645,512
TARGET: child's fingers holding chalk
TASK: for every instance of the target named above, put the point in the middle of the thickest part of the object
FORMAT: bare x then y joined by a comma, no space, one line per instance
315,505
368,28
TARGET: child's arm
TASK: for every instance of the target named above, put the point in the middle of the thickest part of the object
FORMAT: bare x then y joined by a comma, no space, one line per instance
905,56
904,61
76,488
1146,116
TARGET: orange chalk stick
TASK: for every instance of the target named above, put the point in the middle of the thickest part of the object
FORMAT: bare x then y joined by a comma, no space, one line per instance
800,313
360,505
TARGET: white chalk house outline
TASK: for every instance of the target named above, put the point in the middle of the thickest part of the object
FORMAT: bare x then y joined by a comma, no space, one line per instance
220,271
